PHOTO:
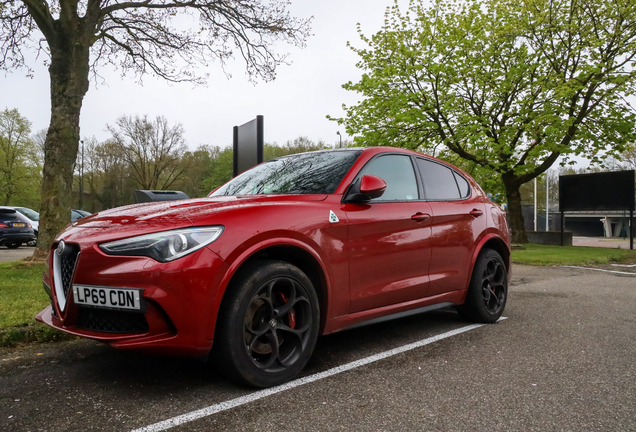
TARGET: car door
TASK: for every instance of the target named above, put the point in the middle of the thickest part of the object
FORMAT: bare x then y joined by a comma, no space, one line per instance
457,221
389,238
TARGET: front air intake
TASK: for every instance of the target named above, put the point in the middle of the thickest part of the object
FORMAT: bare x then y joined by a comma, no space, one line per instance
65,258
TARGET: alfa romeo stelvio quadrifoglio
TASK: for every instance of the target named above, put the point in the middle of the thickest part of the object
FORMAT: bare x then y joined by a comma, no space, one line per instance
297,247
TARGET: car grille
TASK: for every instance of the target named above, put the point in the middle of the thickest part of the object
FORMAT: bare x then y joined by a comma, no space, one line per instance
67,267
112,321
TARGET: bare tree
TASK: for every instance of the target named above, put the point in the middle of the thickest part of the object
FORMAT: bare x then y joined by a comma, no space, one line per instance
153,150
166,38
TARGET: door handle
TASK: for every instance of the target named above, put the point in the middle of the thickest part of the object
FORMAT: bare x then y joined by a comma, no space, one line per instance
420,217
476,213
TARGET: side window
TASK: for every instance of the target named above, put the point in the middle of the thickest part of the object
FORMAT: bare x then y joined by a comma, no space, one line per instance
397,172
464,187
439,181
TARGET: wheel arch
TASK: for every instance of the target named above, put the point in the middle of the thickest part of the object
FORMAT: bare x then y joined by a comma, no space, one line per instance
289,251
490,241
498,245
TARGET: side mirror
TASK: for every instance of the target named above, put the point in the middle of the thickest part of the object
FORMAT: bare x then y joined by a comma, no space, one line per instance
372,186
368,188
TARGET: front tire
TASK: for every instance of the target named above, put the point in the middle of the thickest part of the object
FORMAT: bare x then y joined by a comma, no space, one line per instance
488,289
14,245
268,324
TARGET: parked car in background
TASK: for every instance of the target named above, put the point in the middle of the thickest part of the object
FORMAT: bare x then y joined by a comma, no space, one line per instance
34,218
298,246
78,214
15,229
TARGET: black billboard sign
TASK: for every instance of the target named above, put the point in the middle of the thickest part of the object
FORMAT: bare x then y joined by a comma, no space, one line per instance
248,145
597,191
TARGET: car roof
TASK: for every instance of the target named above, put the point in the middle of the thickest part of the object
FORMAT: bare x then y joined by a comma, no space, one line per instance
372,151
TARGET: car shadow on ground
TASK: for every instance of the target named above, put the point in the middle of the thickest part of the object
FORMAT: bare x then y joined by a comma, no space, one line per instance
104,366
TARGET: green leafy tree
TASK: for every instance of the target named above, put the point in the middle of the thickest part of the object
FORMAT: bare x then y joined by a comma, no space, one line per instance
509,86
166,38
221,169
200,165
299,145
19,160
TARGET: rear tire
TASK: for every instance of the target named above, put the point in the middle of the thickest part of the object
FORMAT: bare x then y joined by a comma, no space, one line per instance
488,289
268,325
14,245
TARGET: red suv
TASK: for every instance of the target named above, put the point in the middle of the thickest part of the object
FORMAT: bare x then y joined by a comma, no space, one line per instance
298,246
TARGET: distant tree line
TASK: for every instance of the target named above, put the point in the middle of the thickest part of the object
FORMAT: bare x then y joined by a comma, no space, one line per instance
144,153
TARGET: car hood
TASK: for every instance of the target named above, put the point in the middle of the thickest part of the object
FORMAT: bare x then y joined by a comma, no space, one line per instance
152,217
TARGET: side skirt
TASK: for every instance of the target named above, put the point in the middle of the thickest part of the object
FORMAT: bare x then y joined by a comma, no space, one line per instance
400,315
395,311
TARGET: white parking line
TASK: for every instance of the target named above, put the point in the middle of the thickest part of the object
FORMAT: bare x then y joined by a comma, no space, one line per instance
602,270
224,406
624,265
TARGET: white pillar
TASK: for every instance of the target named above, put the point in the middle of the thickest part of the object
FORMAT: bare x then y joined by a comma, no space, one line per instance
535,203
547,203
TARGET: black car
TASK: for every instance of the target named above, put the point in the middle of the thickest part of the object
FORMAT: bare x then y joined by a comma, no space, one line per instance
15,229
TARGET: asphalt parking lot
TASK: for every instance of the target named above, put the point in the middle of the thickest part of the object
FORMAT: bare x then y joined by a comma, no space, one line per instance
563,360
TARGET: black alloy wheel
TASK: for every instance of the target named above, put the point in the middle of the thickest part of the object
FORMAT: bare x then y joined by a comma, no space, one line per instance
268,325
493,286
277,324
488,289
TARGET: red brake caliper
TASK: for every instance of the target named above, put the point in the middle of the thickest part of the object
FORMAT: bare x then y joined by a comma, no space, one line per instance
292,313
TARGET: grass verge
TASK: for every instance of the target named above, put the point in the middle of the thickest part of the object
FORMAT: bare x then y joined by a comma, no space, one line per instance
534,254
21,298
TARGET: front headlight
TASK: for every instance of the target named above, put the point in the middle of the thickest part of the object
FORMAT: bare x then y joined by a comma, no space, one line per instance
164,246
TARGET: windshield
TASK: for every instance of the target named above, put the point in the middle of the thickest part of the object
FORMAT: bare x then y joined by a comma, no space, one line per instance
31,214
306,173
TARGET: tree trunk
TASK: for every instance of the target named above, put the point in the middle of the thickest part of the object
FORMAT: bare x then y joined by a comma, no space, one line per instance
515,213
69,83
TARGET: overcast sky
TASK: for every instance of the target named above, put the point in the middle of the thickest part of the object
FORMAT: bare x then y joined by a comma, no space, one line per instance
295,104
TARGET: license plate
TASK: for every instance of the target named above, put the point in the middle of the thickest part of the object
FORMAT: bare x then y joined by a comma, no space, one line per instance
19,225
116,298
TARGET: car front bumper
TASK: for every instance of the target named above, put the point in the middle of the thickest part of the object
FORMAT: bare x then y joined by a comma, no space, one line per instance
178,301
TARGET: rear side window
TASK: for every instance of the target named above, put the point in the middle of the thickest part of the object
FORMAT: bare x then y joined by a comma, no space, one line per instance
439,181
397,172
464,187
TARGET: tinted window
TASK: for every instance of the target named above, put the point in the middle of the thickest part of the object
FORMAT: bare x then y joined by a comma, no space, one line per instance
397,172
464,187
307,173
439,181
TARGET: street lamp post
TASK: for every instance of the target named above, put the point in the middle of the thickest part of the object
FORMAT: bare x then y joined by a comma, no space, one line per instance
81,188
338,133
